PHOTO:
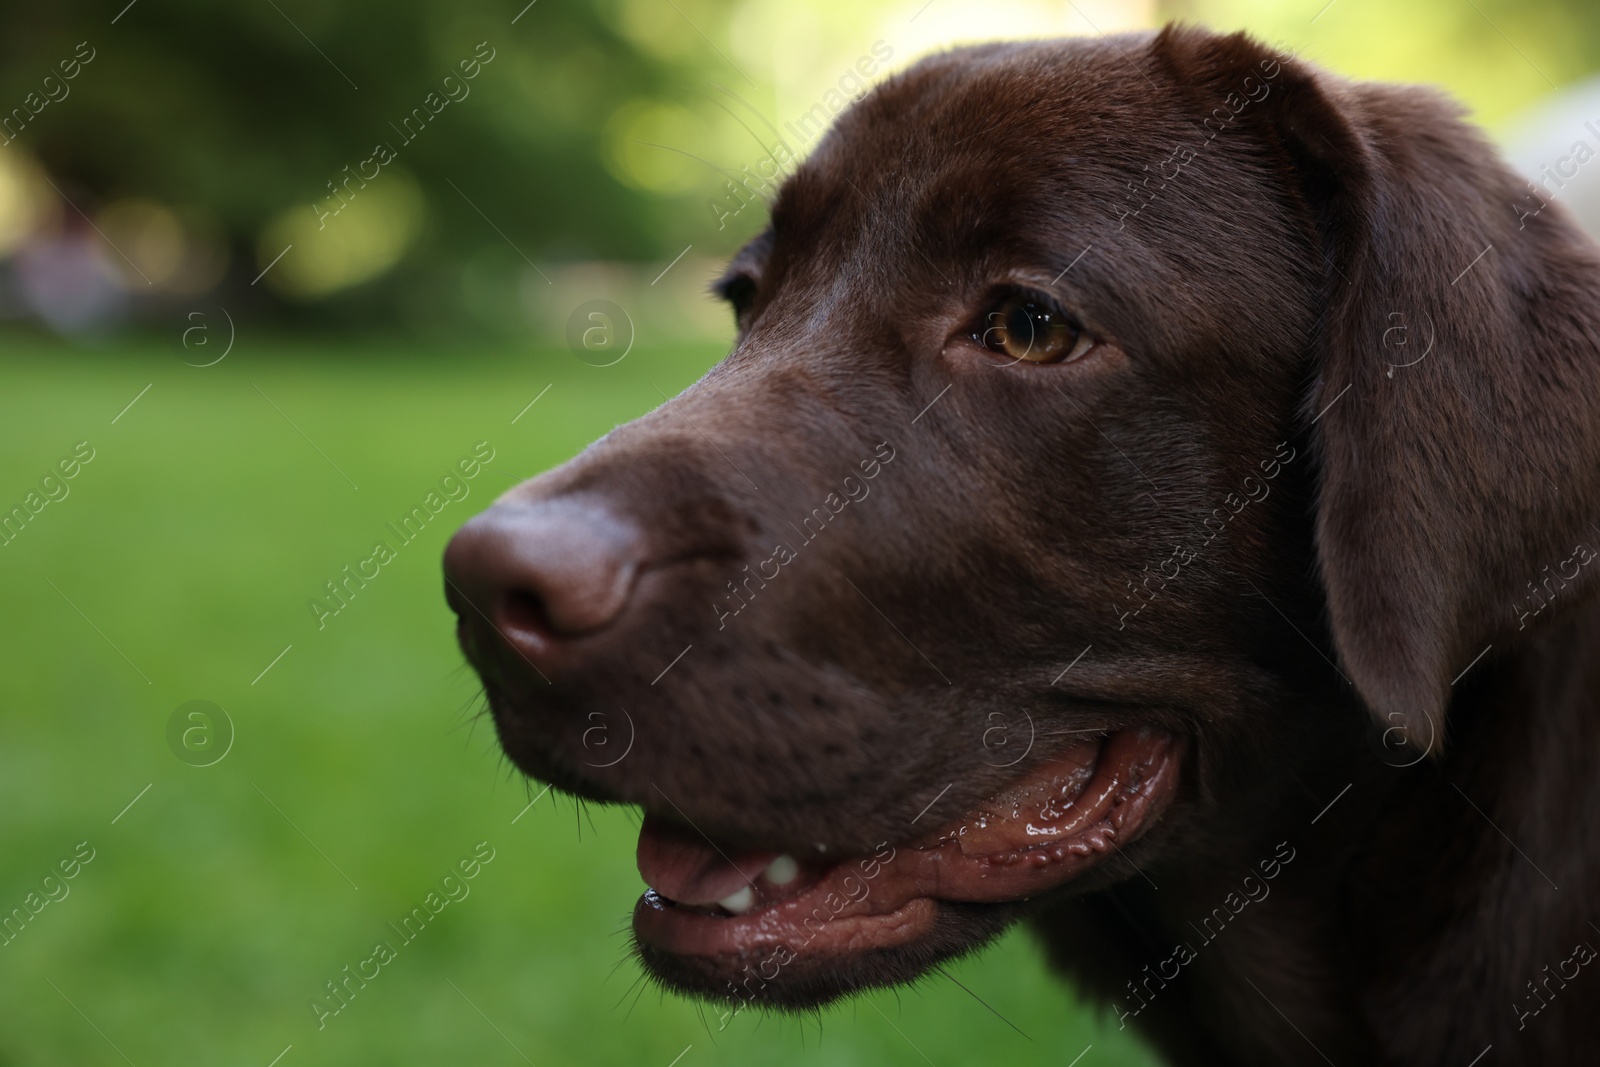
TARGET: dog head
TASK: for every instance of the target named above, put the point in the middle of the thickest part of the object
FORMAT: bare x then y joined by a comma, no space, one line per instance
1066,451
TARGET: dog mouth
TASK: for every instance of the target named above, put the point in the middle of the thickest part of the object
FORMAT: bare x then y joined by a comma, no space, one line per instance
715,916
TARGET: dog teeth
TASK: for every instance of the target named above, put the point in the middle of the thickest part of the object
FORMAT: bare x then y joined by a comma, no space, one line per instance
740,901
782,870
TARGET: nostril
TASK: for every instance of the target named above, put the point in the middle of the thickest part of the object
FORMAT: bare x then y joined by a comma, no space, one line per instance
524,613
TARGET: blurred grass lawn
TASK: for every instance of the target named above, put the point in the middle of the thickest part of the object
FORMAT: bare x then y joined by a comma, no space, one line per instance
206,922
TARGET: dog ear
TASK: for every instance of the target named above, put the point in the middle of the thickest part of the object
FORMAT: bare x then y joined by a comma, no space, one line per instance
1455,409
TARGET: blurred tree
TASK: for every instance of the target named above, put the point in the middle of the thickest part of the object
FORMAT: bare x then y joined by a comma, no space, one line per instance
270,115
599,130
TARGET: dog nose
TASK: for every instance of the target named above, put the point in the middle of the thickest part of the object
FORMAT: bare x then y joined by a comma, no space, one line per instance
543,571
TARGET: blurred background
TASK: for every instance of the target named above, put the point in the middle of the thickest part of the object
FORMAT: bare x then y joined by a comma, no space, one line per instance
268,269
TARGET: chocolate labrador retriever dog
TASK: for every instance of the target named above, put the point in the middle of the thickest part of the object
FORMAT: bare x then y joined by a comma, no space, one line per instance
1153,496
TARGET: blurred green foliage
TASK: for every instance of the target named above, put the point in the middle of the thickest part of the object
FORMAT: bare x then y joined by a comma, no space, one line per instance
251,117
249,107
599,131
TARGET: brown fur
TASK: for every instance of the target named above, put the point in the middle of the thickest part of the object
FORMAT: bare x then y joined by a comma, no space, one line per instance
1250,303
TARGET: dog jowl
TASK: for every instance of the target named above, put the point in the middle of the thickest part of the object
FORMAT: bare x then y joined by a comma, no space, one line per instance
981,409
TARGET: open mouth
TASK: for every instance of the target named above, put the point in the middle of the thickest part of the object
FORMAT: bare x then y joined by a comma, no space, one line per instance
714,911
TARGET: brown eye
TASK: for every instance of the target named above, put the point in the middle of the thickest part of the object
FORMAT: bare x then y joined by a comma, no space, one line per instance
1026,327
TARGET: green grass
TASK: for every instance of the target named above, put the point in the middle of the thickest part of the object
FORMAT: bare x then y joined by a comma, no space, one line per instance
219,904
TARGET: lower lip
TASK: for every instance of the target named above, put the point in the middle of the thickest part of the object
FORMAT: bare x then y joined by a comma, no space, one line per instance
798,925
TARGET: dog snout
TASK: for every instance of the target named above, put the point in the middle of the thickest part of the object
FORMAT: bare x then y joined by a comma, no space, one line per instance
544,572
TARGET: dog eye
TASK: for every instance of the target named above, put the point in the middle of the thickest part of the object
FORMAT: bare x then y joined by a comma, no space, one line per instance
740,292
1028,327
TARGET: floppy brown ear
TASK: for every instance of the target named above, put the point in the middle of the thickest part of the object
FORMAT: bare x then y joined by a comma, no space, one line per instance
1455,411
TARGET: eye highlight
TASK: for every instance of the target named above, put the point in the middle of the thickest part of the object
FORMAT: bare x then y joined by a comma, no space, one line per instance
1029,327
